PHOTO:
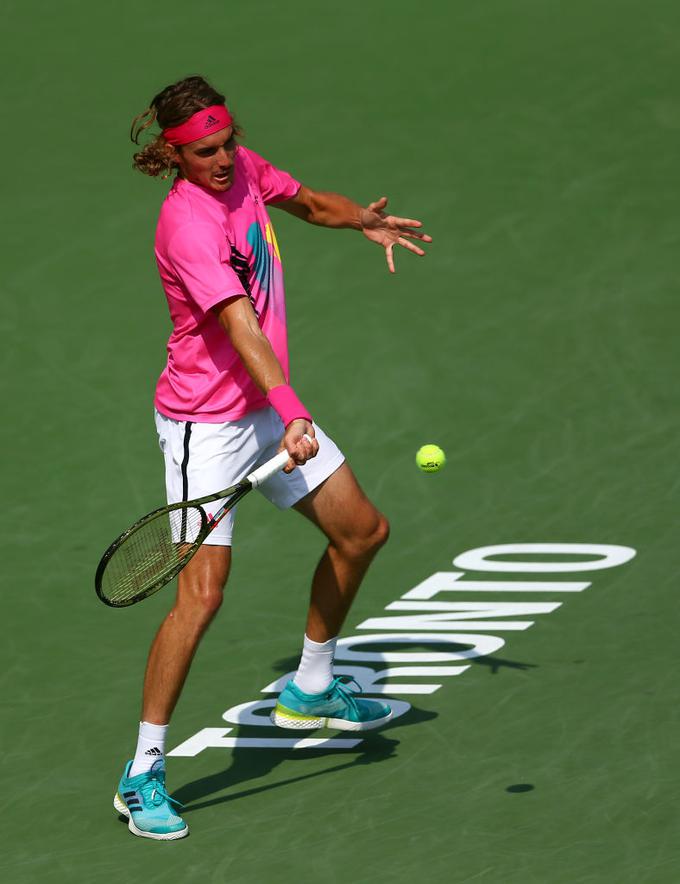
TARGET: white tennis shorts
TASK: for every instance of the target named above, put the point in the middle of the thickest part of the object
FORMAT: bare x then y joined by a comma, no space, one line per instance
203,458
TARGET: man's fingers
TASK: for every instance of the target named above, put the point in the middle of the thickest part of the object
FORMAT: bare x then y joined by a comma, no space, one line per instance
295,459
423,237
390,257
378,205
301,451
306,449
406,222
410,246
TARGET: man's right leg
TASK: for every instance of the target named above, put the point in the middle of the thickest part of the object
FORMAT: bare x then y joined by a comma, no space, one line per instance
141,794
199,596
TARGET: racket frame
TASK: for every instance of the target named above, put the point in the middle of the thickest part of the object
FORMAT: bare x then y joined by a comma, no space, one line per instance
233,494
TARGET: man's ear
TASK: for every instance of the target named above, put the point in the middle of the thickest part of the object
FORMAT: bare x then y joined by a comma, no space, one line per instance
173,155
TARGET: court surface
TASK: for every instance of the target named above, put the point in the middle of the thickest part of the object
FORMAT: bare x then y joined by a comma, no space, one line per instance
536,343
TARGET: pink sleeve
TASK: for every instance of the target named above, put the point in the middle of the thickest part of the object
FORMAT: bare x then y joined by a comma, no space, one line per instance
200,255
275,184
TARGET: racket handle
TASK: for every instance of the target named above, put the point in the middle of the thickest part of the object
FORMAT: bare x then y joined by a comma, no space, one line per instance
267,470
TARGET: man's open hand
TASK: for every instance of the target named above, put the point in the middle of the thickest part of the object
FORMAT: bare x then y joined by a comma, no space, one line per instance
388,230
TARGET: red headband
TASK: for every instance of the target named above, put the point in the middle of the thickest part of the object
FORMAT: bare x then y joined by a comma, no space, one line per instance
202,123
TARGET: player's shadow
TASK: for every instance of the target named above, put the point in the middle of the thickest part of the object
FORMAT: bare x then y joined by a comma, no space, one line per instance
493,664
249,764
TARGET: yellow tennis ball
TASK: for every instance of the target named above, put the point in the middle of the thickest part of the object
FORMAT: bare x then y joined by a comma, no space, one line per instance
430,458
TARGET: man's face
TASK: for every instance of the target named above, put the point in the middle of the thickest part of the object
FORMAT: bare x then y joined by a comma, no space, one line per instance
210,160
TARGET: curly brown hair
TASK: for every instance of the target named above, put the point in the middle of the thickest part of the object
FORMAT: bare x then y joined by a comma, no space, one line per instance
171,107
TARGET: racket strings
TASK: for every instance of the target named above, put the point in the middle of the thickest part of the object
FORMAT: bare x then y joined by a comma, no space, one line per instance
151,553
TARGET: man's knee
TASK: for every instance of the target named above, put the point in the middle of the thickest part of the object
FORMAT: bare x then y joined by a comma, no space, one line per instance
381,534
199,603
208,601
198,599
201,584
369,536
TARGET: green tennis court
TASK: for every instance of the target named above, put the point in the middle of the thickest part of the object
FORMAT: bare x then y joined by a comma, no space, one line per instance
536,343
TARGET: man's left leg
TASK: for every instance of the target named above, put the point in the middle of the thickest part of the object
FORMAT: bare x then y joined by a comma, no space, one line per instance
355,530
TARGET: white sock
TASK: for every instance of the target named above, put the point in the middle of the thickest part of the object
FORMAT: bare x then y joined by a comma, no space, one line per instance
150,747
315,671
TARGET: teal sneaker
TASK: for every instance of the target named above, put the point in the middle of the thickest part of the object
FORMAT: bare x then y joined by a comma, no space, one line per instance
146,804
336,707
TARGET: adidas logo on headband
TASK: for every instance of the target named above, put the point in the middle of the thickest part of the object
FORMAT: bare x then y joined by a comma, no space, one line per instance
214,117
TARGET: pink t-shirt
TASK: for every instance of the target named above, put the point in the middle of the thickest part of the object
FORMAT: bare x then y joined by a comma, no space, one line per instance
210,247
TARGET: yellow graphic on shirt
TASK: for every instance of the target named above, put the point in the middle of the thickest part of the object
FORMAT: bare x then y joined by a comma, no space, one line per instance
270,236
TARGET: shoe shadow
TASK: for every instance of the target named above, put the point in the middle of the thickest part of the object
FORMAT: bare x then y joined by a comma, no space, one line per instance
249,764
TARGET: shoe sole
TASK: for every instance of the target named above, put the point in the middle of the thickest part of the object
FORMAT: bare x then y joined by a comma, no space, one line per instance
295,722
121,807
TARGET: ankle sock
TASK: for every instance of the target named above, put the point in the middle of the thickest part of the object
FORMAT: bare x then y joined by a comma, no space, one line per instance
315,671
150,747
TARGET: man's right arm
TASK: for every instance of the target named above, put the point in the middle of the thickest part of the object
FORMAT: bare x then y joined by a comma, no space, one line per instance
238,320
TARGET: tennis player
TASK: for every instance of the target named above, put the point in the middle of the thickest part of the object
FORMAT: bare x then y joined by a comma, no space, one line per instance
224,405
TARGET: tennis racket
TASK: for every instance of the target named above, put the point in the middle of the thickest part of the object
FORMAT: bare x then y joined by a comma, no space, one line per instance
156,548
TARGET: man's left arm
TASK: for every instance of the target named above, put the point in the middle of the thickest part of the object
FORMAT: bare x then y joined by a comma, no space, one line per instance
334,210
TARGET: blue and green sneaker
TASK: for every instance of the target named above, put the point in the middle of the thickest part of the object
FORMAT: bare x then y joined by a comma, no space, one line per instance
336,707
145,802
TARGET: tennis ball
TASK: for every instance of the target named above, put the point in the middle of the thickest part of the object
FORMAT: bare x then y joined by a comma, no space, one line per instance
430,458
